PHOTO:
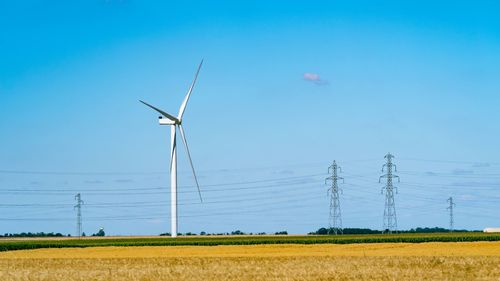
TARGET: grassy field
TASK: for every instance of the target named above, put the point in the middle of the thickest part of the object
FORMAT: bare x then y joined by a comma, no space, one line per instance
20,244
379,261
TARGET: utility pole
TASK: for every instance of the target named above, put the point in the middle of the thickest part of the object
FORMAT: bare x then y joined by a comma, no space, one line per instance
450,207
335,220
390,220
78,207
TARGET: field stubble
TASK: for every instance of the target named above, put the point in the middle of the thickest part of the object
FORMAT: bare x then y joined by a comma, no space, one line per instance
387,261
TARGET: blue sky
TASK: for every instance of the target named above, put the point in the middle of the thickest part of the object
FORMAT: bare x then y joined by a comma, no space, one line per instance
287,86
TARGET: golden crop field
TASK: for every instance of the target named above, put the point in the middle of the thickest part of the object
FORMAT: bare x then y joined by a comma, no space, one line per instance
381,261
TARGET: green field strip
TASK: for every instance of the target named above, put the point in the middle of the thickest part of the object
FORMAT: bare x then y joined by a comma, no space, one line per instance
10,245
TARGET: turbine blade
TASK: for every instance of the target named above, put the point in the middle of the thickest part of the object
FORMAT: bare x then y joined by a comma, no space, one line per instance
173,142
161,112
186,99
183,136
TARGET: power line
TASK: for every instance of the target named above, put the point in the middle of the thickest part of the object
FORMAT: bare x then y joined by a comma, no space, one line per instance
263,211
112,173
252,186
262,201
162,215
252,189
164,189
70,173
450,161
453,173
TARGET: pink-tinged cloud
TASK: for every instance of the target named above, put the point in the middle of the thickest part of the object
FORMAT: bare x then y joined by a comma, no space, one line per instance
311,77
315,78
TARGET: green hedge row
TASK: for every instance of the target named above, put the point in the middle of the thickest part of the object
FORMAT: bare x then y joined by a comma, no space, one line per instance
9,245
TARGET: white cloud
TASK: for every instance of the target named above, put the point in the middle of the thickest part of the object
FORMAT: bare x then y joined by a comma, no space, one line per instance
467,197
93,181
124,180
462,172
312,77
315,78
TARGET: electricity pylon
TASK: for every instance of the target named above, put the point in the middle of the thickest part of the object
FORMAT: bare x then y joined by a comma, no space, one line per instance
390,220
78,207
450,207
335,219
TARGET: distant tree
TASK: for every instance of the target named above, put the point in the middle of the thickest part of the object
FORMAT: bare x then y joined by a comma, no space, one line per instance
322,231
83,234
359,231
100,233
203,233
32,234
281,233
325,231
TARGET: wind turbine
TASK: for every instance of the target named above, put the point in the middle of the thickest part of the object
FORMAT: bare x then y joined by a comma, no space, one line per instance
176,124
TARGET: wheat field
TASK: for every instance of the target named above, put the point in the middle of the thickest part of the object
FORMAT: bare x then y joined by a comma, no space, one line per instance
381,261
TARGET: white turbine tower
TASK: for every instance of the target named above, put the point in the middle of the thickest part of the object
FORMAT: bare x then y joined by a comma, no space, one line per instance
176,123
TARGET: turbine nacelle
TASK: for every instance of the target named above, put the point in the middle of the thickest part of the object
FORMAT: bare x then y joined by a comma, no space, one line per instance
165,121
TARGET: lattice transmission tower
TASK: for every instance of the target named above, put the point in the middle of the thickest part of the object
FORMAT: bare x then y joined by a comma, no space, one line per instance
450,207
390,220
78,207
335,219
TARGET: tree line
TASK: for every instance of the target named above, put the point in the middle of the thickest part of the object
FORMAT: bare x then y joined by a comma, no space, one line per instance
326,231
